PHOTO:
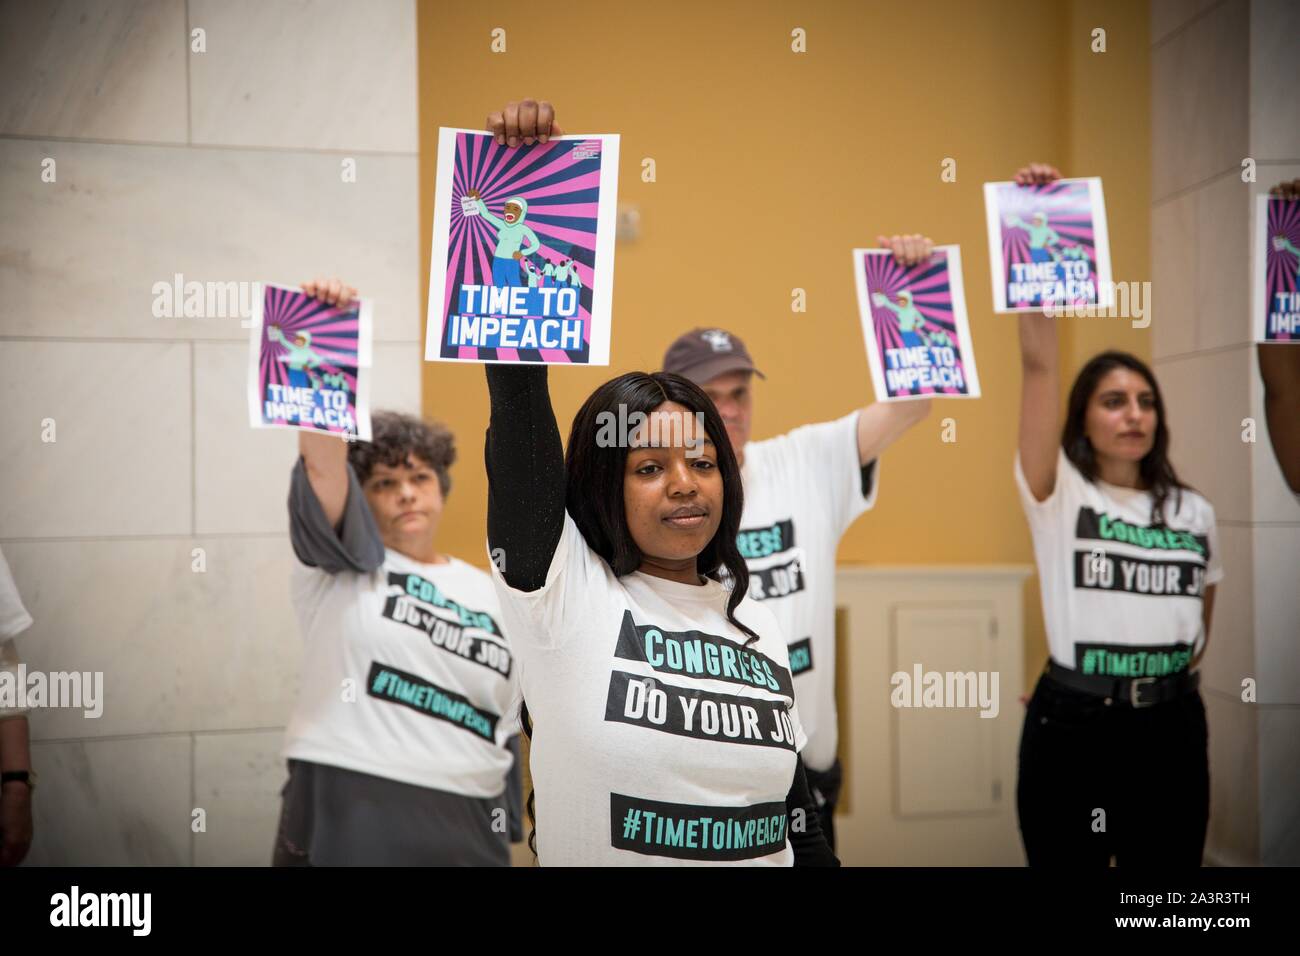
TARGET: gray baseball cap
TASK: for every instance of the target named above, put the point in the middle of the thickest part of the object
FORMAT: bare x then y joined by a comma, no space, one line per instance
704,354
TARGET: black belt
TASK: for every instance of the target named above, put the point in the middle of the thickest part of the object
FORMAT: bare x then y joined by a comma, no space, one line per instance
1134,691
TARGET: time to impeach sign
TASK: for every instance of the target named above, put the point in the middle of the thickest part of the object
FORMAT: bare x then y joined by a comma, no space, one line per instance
516,317
1284,316
920,366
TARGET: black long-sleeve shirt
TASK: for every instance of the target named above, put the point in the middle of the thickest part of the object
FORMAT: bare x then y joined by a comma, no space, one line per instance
526,494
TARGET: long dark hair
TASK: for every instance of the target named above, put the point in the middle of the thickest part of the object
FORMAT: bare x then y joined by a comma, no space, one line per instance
594,493
1155,469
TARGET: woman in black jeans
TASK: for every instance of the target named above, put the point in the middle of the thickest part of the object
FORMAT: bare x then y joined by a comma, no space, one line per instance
1113,755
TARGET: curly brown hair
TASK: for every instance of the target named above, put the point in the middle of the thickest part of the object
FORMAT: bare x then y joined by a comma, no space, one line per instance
395,436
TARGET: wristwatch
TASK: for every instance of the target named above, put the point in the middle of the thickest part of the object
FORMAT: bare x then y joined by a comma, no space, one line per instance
19,776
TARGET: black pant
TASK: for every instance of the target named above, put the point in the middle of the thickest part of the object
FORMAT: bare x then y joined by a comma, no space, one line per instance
1145,769
825,788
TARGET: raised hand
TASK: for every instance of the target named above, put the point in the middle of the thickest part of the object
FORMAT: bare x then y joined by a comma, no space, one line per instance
908,250
1286,190
1037,174
524,123
333,292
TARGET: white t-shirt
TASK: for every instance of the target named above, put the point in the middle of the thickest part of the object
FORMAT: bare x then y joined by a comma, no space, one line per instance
802,491
432,677
658,737
406,674
1121,598
14,618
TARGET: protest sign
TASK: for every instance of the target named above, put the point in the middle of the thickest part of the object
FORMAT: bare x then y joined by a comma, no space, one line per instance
914,322
309,363
523,250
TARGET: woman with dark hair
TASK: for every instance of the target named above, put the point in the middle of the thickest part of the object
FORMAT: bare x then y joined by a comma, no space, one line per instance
665,725
1113,755
403,746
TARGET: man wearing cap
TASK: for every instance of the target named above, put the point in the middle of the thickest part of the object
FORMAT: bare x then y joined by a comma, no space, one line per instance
802,491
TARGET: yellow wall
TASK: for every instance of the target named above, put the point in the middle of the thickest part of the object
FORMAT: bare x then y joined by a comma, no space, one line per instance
1109,135
771,166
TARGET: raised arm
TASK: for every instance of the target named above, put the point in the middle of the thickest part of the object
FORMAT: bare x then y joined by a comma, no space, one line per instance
1039,403
526,477
884,302
1040,377
523,454
484,213
325,457
880,424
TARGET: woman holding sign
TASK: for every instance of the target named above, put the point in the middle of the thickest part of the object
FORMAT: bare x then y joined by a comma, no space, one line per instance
402,748
1113,752
666,727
